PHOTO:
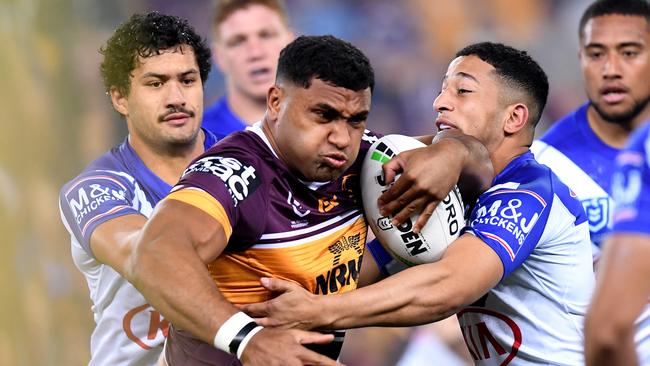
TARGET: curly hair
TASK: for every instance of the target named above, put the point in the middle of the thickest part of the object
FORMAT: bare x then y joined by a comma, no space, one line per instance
516,69
326,58
145,35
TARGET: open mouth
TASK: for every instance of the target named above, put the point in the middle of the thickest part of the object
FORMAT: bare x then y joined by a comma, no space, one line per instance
443,124
260,73
612,95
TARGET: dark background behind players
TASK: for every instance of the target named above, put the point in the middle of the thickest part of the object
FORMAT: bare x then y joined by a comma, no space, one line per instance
54,120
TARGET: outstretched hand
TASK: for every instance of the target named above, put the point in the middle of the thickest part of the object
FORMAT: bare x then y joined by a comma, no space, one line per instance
271,347
294,307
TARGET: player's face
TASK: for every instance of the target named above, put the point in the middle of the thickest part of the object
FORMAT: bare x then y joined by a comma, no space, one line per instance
165,103
469,101
247,46
615,64
318,130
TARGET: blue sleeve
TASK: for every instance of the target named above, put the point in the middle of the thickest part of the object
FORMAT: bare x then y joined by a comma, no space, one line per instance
386,263
511,222
92,199
631,185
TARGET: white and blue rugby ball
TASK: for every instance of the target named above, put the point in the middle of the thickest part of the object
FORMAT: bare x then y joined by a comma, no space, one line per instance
443,226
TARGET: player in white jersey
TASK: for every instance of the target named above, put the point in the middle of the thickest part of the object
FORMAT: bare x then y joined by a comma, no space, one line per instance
154,67
624,275
520,276
580,147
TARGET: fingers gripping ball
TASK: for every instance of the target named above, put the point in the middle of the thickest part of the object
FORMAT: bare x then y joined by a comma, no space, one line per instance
443,226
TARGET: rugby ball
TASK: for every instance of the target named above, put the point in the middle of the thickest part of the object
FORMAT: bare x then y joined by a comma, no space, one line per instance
443,226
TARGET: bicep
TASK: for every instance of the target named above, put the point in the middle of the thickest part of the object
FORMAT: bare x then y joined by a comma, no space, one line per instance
112,241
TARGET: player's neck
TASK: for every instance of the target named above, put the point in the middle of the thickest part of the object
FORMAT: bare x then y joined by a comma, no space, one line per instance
506,153
165,162
611,133
249,110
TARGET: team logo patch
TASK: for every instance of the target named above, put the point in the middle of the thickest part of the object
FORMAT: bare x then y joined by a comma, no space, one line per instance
506,217
240,177
598,213
346,242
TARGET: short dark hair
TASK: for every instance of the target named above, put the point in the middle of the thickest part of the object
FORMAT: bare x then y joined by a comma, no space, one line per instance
516,69
225,8
327,58
145,35
614,7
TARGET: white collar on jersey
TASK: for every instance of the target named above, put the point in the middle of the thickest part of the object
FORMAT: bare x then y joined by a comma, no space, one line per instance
256,128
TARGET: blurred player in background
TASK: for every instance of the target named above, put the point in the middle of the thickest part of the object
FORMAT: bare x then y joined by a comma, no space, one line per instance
248,36
520,276
154,69
624,274
581,147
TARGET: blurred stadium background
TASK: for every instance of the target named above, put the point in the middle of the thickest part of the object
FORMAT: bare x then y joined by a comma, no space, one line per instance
56,119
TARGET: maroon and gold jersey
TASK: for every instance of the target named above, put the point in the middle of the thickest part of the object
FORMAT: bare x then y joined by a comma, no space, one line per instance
277,225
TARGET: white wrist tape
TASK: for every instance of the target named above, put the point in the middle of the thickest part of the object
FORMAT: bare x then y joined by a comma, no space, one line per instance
235,333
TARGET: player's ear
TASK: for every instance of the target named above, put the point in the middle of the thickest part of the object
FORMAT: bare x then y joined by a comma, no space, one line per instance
516,119
119,101
274,101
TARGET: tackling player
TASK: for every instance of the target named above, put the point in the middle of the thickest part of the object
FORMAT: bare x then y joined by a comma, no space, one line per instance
154,68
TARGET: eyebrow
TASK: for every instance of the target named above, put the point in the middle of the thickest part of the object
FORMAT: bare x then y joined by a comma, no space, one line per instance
463,75
360,116
618,45
166,76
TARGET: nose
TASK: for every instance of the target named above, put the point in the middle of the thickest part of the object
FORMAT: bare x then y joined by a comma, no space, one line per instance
442,102
339,135
175,95
612,66
255,48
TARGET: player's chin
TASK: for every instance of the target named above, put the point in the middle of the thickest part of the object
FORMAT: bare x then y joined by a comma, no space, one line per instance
326,173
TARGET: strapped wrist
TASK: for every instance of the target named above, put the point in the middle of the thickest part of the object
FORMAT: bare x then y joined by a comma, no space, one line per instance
235,333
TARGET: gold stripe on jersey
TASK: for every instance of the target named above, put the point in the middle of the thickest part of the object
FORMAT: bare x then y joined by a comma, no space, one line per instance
325,265
204,201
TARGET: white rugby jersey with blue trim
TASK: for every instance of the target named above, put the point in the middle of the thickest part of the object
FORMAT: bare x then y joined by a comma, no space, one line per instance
128,330
537,227
631,192
585,163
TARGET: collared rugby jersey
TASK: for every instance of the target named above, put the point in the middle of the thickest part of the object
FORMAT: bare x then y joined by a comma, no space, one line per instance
277,225
128,331
631,192
537,227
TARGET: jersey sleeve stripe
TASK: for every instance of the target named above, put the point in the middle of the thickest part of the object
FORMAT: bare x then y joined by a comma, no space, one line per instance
204,201
501,242
112,211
